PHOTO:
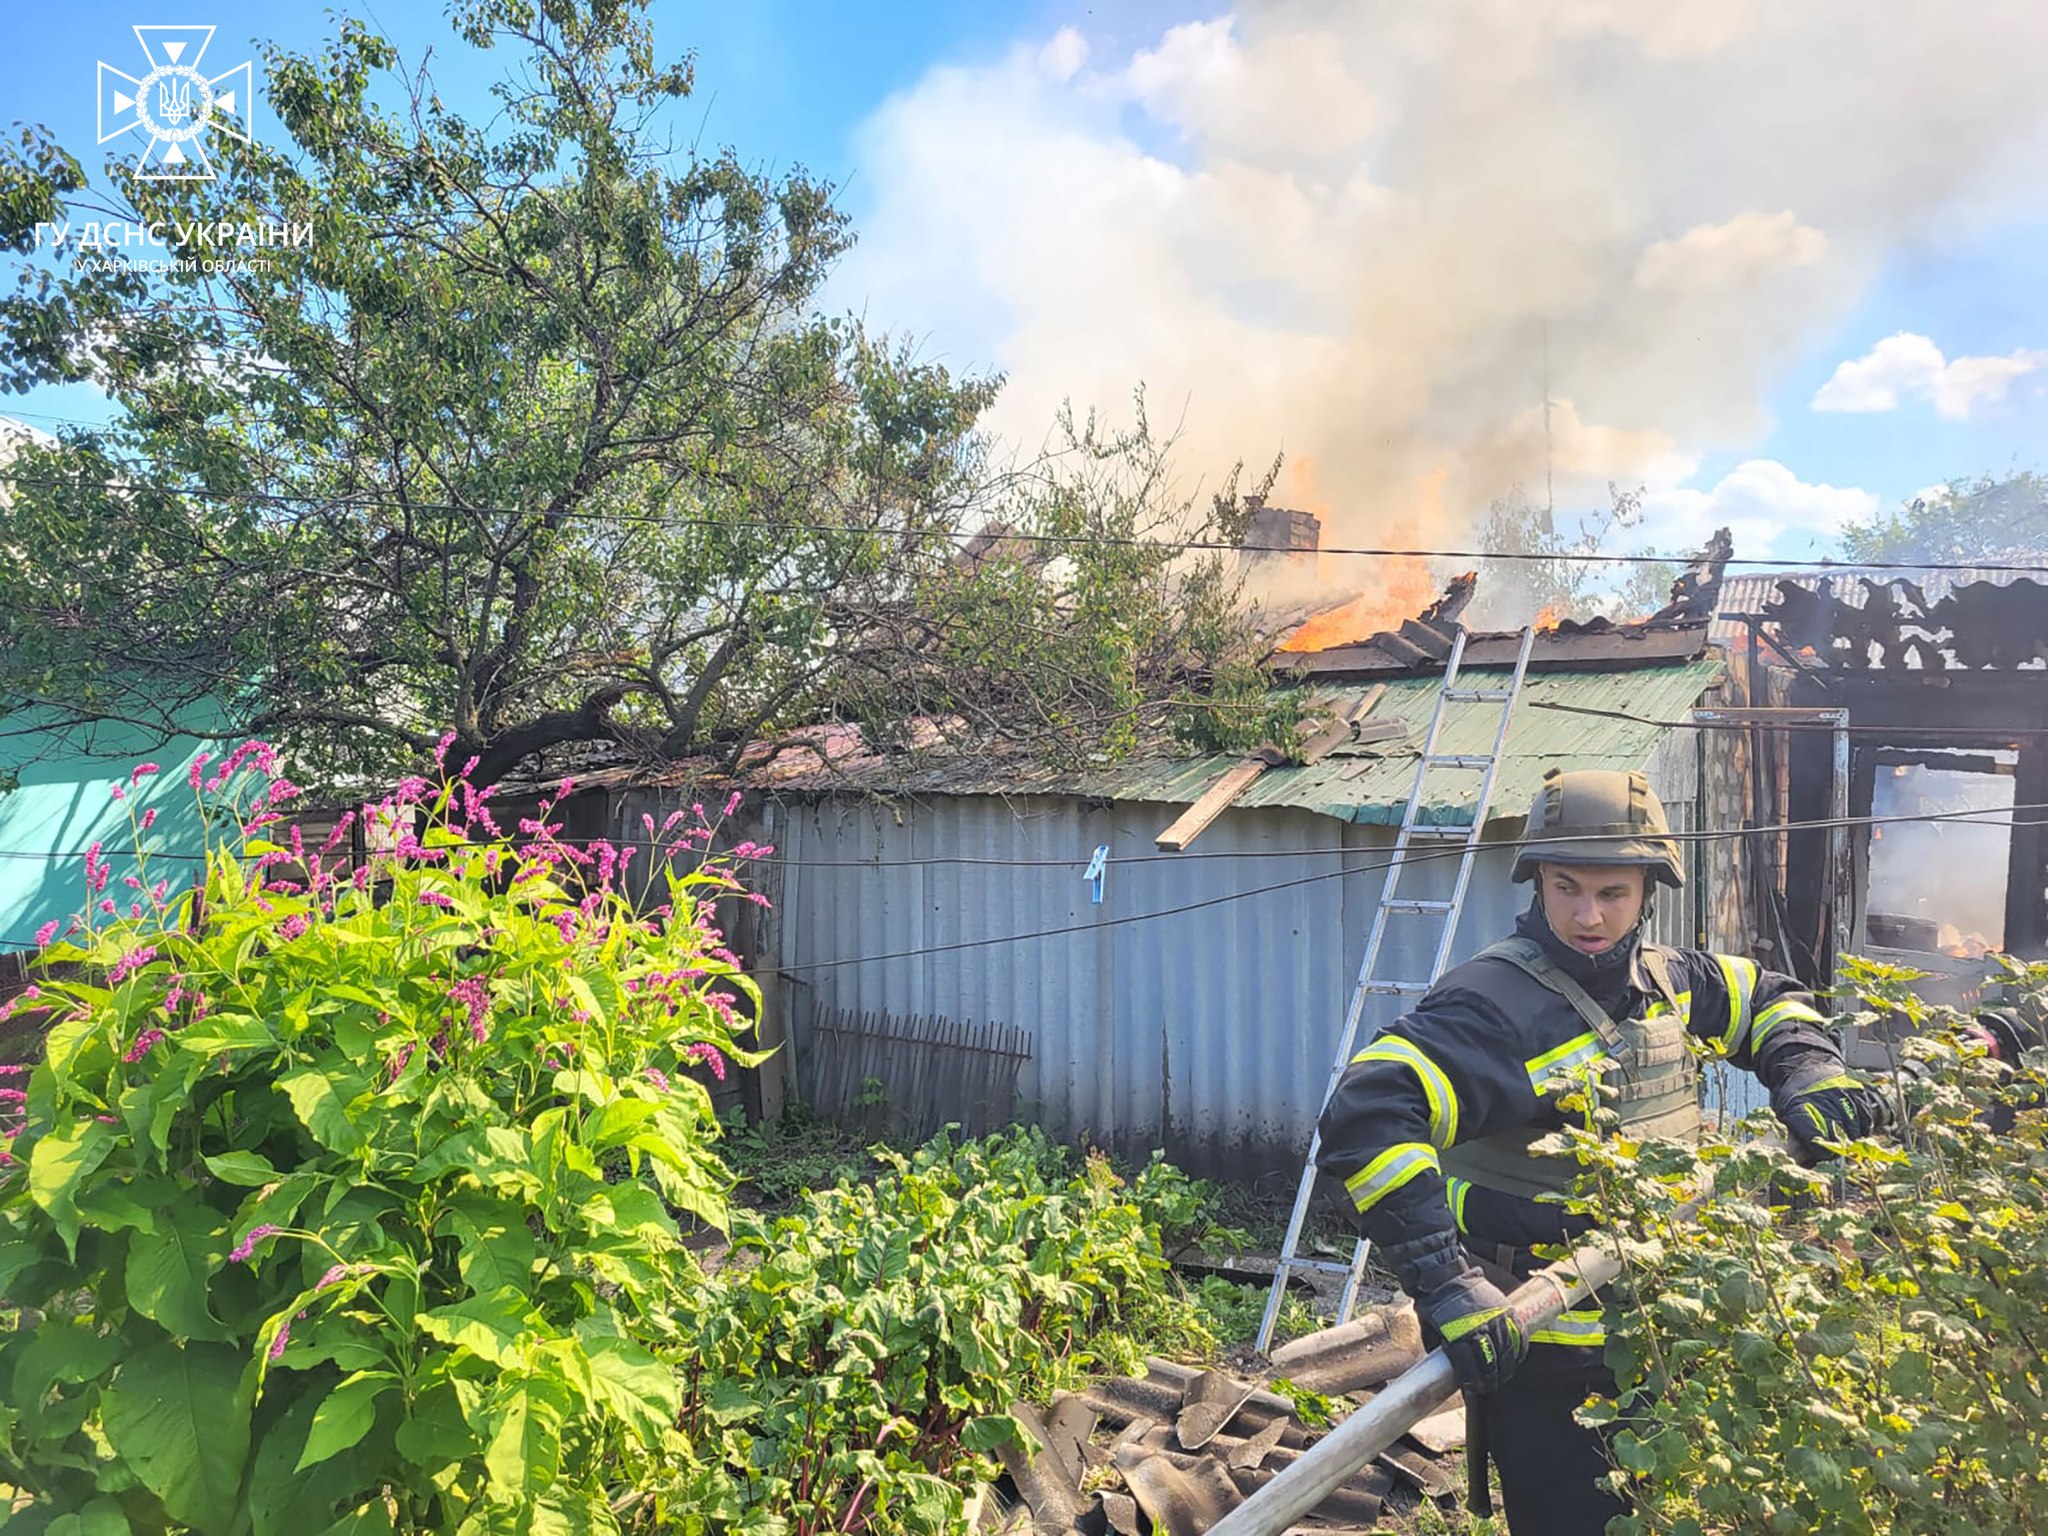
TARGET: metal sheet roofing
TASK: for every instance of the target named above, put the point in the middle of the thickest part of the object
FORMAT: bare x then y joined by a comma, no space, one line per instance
1753,590
1371,784
1366,783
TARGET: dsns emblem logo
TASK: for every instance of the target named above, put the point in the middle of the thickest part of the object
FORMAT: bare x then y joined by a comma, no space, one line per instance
174,105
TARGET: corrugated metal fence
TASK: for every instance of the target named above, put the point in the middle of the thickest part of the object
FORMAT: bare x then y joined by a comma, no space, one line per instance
1208,1031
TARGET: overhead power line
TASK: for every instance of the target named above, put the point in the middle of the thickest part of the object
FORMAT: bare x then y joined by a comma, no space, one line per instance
1415,856
1999,816
1055,540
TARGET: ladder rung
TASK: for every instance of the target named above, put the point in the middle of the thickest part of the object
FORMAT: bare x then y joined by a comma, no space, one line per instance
1325,1266
1399,988
1441,829
1417,904
1459,760
1479,695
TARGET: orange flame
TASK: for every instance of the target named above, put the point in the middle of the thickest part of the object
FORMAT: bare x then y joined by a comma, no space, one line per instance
1548,618
1398,586
1408,590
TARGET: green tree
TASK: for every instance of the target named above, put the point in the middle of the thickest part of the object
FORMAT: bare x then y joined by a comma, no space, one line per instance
1988,519
1538,568
539,434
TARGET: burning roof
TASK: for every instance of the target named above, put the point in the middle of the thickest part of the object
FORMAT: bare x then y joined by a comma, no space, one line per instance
1342,641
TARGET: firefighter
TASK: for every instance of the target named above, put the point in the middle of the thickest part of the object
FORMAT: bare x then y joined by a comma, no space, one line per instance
1429,1128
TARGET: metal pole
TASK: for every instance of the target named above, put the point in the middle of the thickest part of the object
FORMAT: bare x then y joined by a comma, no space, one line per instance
1331,1461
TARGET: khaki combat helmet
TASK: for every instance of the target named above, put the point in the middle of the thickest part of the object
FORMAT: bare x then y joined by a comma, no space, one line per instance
1598,816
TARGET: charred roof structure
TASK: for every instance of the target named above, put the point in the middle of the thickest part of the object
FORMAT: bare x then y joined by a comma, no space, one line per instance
1676,632
1889,699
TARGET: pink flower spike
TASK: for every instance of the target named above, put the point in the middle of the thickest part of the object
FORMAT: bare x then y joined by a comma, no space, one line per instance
149,818
198,770
46,933
708,1054
119,793
733,804
340,831
129,964
435,899
242,1250
143,771
107,906
659,1078
336,1272
441,750
144,1044
277,1345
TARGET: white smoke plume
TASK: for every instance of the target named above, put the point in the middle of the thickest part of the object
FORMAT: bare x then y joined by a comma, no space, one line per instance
1362,231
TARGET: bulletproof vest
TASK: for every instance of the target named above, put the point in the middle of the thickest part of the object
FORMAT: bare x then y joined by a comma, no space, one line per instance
1656,1079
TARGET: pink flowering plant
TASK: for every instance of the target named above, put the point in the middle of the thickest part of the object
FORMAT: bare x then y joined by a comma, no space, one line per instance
349,1198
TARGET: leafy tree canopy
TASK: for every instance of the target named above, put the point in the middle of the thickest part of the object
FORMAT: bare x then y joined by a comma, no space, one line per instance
1989,519
541,434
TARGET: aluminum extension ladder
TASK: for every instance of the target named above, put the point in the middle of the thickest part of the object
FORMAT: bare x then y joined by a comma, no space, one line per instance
1465,838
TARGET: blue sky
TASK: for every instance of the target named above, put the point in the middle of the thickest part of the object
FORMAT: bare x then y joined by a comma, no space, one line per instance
1279,223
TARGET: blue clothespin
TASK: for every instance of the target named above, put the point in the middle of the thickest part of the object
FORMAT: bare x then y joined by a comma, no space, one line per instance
1094,872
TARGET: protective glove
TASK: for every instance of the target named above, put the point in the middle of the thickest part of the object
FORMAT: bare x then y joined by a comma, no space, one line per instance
1836,1107
2003,1034
1482,1340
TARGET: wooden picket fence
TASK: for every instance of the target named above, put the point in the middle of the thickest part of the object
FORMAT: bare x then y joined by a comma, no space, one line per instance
900,1076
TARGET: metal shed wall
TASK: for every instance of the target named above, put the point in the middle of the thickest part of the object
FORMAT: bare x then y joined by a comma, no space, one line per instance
1208,1031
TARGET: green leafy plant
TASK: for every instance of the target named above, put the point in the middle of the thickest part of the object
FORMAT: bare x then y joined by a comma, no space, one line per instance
1854,1349
858,1355
346,1202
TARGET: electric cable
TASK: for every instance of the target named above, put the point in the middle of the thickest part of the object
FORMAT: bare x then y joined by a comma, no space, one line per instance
1978,817
1163,546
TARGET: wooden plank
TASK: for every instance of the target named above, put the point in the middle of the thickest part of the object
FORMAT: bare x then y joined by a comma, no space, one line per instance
1215,799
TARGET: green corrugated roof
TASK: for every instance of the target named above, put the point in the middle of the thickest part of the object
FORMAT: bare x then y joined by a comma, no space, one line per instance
1371,783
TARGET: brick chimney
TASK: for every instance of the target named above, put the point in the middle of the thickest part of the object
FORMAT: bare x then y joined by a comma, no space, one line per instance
1280,534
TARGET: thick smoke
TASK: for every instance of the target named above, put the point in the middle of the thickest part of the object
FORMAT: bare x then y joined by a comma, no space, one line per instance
1367,233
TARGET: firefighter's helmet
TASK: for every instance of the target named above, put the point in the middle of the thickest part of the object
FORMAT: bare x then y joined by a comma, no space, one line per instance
1598,816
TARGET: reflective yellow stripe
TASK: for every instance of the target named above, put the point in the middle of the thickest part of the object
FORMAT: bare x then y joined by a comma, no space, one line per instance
1455,1191
1580,1328
1389,1171
1443,1099
1573,1053
1458,1327
1659,1008
1778,1013
1739,975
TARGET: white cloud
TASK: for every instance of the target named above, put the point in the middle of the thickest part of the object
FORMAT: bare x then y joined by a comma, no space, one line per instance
1062,58
1906,366
1767,508
1747,249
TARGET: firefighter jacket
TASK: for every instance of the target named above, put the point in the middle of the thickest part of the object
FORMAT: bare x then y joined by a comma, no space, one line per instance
1429,1125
